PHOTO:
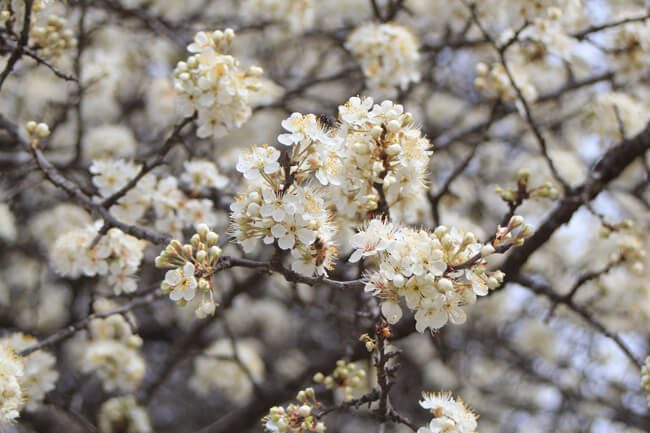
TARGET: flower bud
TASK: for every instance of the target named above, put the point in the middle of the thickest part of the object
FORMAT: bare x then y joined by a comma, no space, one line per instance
527,231
42,130
445,284
204,285
202,230
214,252
516,221
393,126
304,411
487,250
523,175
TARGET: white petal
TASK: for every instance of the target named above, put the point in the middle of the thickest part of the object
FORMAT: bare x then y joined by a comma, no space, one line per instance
286,242
173,277
188,293
457,315
278,230
306,236
391,311
188,269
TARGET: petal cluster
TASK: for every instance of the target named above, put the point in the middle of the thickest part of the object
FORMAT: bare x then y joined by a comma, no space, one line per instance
214,84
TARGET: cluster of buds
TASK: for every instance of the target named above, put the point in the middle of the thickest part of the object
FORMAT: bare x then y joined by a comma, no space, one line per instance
523,192
192,266
37,130
512,235
53,37
645,378
296,418
347,377
495,82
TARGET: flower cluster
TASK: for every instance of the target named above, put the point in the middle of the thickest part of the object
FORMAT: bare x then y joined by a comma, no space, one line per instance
13,398
630,49
375,162
39,373
111,175
388,54
201,175
298,15
296,418
545,35
449,415
115,255
109,141
192,266
435,273
280,207
213,84
385,159
112,352
53,37
123,414
347,376
228,366
175,210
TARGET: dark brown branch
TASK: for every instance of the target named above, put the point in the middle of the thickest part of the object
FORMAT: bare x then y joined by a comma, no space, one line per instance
289,275
610,166
22,43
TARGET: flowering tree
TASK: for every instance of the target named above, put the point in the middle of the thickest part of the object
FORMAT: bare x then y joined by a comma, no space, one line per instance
344,215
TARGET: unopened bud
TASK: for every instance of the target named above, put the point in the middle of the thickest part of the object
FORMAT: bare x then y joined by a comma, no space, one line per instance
516,221
445,284
487,250
202,230
304,411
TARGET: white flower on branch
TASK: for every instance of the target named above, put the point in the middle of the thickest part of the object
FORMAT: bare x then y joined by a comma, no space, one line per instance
39,373
388,54
215,85
449,415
